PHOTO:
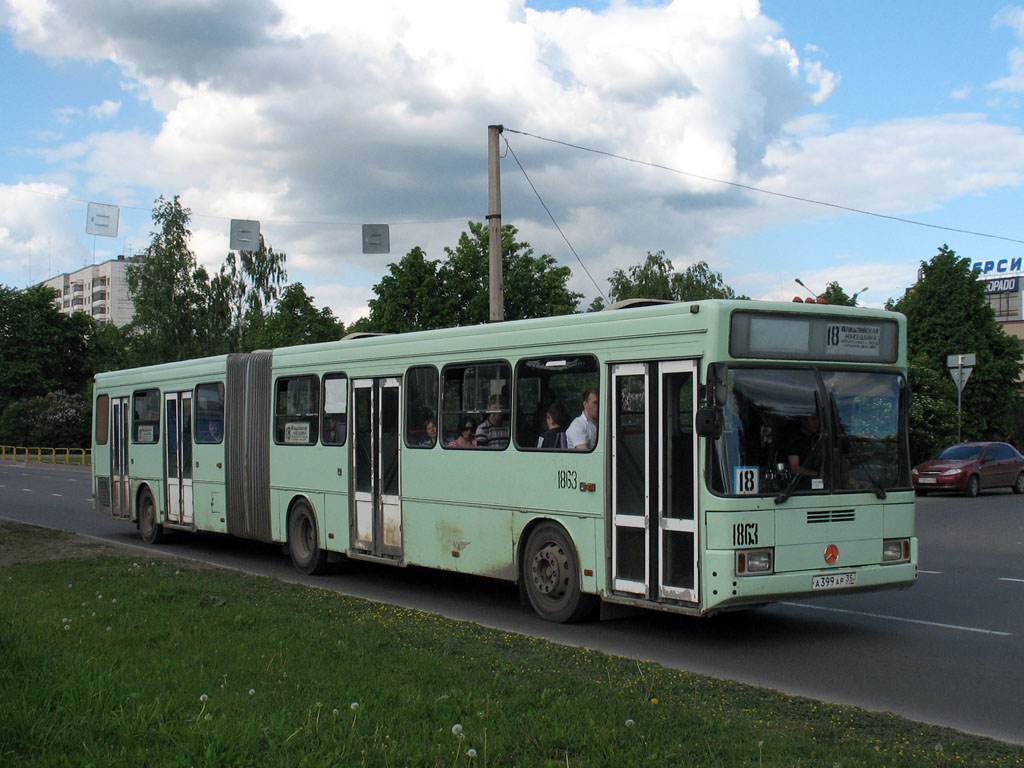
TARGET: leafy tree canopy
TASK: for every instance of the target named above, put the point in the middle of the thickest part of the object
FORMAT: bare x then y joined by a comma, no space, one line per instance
43,350
947,313
419,294
296,320
655,278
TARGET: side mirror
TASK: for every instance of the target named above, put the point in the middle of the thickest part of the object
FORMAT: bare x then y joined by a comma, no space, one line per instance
717,390
708,422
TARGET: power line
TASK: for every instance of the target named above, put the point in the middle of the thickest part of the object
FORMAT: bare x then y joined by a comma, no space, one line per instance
749,188
550,216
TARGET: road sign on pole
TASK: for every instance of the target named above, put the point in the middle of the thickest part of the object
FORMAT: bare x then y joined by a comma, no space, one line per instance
960,367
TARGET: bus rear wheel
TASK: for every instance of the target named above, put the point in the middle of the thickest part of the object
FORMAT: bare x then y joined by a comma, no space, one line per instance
551,576
304,542
150,530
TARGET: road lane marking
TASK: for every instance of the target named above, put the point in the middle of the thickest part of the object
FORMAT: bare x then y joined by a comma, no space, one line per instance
59,495
1018,581
938,624
933,573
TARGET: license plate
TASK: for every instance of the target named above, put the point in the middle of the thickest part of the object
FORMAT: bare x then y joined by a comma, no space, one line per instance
834,581
926,480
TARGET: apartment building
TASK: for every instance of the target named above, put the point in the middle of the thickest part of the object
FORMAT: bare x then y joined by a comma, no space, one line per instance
100,290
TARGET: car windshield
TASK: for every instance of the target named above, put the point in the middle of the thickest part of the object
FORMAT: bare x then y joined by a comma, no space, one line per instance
961,452
791,431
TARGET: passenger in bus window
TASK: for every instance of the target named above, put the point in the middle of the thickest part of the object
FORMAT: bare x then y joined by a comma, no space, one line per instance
582,433
214,431
803,451
466,438
493,431
556,417
431,438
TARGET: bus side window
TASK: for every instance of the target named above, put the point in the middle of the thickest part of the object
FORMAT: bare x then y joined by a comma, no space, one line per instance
421,427
209,413
548,398
335,409
146,416
297,412
480,392
102,419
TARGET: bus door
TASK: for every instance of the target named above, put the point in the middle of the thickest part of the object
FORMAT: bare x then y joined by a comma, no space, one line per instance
120,482
178,457
376,511
654,489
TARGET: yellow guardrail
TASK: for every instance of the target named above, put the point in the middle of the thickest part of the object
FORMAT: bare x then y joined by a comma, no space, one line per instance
81,456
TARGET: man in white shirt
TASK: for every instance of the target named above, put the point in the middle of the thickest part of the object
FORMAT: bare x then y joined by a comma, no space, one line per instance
582,432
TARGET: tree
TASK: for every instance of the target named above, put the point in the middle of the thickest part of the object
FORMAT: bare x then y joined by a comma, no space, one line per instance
56,420
249,283
947,313
419,294
296,320
172,293
655,278
834,294
43,350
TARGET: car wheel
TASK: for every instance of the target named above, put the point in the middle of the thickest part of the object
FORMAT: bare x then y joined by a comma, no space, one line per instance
973,486
1018,487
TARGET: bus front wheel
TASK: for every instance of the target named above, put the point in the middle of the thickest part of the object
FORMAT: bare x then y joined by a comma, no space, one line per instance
150,530
303,541
551,576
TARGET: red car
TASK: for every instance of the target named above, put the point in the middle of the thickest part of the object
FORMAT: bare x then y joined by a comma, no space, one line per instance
970,467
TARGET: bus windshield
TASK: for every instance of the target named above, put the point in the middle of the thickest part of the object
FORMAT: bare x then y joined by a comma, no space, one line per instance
792,431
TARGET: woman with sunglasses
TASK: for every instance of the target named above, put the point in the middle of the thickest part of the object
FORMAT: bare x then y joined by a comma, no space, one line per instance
466,438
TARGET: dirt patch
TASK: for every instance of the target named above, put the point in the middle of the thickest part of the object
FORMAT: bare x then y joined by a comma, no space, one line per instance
23,543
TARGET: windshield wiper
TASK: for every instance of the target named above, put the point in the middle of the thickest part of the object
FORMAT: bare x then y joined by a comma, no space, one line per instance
788,490
875,485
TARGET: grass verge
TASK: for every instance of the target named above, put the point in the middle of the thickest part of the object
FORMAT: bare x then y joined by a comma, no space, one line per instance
107,659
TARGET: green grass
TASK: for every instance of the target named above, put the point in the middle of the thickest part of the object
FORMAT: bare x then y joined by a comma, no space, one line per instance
111,660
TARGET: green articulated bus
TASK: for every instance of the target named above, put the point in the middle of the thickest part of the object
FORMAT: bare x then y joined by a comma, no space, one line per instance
688,457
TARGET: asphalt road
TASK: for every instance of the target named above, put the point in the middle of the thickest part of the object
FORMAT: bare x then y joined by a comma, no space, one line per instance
949,651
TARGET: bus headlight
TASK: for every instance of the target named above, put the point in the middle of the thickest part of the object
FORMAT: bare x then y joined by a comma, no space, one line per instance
895,550
751,561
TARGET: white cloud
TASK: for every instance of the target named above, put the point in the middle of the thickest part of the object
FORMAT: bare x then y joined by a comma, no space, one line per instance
315,118
106,110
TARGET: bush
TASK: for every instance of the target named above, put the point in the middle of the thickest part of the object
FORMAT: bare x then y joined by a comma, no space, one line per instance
57,420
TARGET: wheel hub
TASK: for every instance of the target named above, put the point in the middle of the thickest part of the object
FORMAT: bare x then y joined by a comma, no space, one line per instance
546,570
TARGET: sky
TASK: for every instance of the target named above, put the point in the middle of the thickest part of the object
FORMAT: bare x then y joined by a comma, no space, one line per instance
727,131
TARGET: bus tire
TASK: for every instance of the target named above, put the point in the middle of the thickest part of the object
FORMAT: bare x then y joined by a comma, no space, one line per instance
304,541
551,576
149,529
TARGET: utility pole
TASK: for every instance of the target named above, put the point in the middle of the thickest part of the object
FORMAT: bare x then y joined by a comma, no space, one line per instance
496,280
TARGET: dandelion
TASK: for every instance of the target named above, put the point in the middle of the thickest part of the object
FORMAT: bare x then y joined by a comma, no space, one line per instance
110,629
208,716
354,705
204,697
655,701
67,627
470,753
630,723
457,729
252,691
334,712
938,748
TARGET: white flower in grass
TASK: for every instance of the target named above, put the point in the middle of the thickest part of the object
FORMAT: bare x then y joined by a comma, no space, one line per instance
252,691
457,730
334,712
354,705
630,723
204,697
470,753
209,716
